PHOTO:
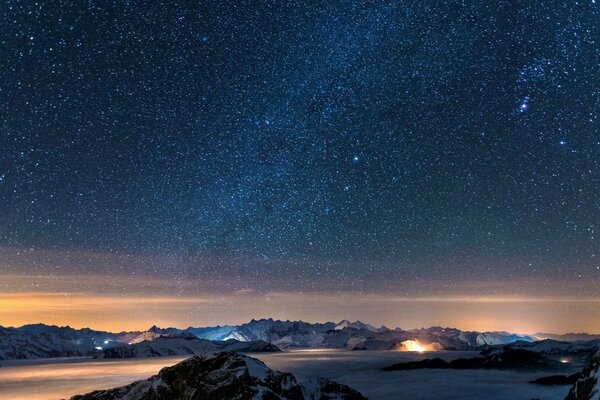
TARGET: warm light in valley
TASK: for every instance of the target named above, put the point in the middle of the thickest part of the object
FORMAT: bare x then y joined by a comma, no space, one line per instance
415,345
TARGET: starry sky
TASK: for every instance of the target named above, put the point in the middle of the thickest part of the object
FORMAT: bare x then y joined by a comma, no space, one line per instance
446,153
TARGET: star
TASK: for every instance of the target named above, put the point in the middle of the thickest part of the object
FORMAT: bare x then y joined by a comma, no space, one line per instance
214,142
524,106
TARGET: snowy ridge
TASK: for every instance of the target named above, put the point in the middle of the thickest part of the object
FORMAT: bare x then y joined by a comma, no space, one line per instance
211,332
300,333
355,325
588,386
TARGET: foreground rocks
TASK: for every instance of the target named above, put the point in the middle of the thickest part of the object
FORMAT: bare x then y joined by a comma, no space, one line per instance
588,386
225,376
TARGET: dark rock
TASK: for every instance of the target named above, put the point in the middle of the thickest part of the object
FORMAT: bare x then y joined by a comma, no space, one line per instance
557,380
588,386
510,359
433,363
224,376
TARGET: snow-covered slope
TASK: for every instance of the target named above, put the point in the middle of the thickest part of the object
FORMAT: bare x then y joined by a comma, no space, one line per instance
225,376
211,332
355,325
284,334
588,386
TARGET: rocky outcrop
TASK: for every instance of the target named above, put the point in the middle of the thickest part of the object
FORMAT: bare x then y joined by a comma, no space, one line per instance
224,376
588,386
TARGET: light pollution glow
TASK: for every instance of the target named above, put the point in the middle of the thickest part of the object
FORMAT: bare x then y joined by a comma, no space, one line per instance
415,345
113,311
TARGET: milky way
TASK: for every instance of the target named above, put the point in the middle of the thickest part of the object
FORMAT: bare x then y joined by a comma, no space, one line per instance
297,144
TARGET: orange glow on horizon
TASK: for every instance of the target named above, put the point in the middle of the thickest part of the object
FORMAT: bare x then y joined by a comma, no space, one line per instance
57,304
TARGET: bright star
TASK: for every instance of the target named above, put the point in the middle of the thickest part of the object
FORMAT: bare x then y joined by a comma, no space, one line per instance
524,104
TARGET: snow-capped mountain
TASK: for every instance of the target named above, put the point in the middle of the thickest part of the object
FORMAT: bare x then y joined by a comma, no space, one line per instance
358,336
436,338
284,334
588,386
355,325
163,331
211,332
42,341
183,344
455,339
225,376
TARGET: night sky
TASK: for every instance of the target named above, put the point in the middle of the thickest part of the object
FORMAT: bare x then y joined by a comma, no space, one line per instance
420,149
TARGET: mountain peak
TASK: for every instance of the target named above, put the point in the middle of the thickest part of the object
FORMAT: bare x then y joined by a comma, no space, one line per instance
354,325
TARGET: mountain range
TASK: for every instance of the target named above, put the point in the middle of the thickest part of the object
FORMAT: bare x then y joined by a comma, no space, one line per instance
43,341
184,344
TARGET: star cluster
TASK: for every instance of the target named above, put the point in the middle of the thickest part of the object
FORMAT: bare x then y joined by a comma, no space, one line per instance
362,143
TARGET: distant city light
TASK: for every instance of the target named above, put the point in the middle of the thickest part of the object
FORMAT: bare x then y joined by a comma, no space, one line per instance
414,345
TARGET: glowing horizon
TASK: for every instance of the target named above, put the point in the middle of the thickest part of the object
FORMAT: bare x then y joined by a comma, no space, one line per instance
114,311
